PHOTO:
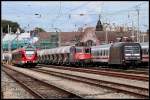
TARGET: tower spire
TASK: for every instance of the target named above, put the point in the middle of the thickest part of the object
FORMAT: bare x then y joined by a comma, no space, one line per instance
99,26
99,16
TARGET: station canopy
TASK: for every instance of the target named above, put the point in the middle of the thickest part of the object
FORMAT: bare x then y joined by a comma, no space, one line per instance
22,40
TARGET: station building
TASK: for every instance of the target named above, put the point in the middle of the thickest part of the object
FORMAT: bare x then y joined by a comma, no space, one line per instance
91,36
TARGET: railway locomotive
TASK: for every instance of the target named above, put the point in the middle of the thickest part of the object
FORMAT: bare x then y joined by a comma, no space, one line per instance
66,55
145,53
26,56
121,53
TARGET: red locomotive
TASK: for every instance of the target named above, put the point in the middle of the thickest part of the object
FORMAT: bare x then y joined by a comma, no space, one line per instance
26,56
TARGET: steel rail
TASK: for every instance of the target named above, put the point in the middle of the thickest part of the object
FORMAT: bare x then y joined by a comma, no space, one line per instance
24,86
42,82
99,72
99,83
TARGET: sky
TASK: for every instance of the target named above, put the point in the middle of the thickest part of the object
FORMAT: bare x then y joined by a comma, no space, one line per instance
69,15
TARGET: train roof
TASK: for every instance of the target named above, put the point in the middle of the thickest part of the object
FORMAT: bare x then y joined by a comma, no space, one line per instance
27,47
120,44
63,49
57,50
117,44
104,46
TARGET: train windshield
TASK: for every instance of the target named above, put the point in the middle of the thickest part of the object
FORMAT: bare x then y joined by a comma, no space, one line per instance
87,50
132,50
78,50
29,53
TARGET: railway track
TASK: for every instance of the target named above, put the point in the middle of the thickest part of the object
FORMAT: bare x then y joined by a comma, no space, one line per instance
144,71
118,87
110,86
126,75
37,88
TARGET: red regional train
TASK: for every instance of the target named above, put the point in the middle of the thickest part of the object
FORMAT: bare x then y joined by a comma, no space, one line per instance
66,55
26,56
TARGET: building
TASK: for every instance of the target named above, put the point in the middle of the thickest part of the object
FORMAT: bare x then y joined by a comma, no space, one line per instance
91,36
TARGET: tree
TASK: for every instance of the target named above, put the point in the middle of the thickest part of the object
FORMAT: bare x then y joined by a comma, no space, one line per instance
13,25
39,29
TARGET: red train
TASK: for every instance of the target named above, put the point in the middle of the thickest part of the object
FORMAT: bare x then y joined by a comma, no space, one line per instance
26,56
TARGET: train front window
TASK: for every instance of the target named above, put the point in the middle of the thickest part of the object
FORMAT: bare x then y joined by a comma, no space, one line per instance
29,53
132,50
87,50
78,50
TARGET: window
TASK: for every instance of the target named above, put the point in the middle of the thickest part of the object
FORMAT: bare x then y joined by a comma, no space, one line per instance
106,52
87,50
78,50
29,53
132,49
100,53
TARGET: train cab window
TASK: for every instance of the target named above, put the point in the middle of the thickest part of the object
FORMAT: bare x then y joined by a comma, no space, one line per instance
78,50
132,49
29,53
87,50
145,51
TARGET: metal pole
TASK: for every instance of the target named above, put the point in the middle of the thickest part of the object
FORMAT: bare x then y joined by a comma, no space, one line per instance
1,44
132,31
106,40
143,37
9,47
138,25
17,40
59,38
8,28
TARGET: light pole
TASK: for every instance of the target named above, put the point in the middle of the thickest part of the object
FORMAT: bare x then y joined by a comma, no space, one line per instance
137,9
106,37
58,33
132,32
1,44
143,36
59,36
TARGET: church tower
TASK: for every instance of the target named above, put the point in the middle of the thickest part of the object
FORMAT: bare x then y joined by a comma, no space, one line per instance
99,26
